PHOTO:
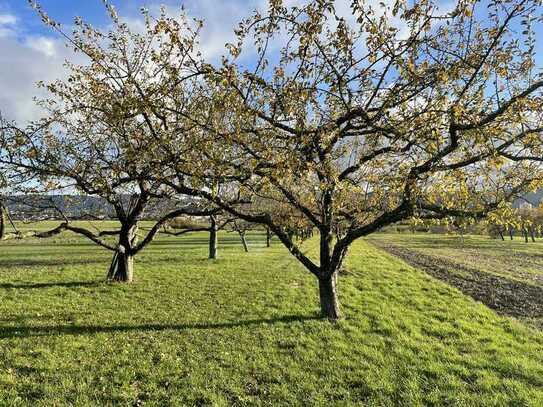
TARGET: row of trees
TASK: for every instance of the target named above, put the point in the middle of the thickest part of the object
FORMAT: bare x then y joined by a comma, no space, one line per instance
312,120
526,222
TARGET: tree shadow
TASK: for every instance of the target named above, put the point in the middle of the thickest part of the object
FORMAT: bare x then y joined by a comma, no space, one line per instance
12,263
30,331
70,284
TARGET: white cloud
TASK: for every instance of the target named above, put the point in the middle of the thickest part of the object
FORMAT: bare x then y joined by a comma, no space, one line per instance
6,25
22,65
46,46
24,60
7,19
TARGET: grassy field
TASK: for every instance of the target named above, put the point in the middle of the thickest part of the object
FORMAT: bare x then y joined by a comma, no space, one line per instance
510,259
243,330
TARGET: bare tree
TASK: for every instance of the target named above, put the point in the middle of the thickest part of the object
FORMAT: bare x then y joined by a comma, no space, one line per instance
216,224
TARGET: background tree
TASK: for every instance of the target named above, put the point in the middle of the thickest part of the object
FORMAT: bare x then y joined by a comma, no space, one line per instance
241,227
217,222
97,136
362,122
10,186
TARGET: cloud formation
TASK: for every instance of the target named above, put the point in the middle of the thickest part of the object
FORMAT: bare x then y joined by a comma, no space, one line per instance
25,59
6,19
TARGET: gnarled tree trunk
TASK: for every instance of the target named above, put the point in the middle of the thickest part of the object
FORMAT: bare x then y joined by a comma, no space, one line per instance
122,265
329,269
122,268
213,238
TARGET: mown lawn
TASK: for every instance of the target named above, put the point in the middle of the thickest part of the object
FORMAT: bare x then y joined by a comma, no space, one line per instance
243,330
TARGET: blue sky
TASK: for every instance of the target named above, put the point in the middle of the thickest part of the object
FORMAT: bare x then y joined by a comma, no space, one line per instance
65,10
30,52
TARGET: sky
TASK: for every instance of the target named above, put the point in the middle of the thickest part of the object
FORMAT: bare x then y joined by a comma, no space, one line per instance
30,51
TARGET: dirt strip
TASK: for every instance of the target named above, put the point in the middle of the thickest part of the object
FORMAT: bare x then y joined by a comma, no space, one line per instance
506,297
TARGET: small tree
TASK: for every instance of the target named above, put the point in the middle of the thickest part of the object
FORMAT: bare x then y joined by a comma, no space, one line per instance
216,223
241,227
402,113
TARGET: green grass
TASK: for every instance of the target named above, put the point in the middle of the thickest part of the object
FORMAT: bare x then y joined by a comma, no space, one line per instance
243,330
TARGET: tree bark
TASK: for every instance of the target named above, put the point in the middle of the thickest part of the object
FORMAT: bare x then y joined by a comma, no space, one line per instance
244,241
122,265
122,268
501,234
213,238
268,237
329,298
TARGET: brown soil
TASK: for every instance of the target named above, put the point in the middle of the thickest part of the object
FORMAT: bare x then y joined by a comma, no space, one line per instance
506,297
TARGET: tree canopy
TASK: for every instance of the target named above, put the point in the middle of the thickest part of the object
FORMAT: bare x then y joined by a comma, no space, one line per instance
402,111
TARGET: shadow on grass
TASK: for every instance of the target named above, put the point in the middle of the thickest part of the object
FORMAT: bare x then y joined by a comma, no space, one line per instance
29,331
70,284
51,263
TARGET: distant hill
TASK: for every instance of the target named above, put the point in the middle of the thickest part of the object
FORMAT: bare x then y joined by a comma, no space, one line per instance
51,206
39,207
533,198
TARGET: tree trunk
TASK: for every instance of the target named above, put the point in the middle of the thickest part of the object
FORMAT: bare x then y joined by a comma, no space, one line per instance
122,265
268,237
213,238
501,234
244,241
2,221
122,268
532,235
329,298
525,235
511,233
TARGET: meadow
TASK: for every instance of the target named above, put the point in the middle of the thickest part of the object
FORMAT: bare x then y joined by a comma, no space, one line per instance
245,330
